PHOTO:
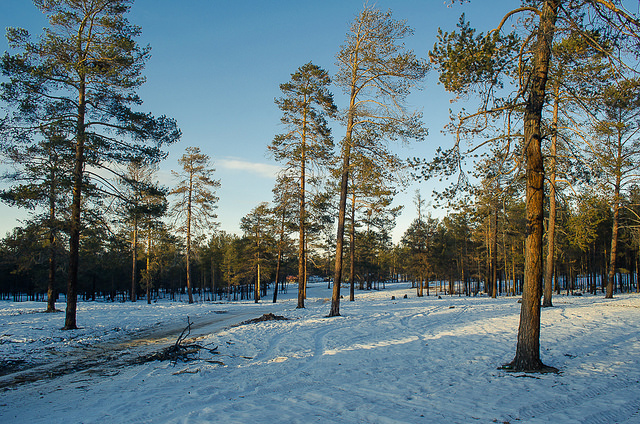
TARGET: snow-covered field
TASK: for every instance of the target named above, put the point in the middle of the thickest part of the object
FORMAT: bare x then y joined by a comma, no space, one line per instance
415,360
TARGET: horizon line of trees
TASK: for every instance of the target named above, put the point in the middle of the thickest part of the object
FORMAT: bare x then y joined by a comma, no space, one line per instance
464,253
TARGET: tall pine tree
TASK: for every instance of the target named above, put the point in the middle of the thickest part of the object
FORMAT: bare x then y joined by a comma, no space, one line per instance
82,75
377,72
195,199
307,145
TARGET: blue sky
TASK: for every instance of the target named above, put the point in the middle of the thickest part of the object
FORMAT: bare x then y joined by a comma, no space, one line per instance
216,67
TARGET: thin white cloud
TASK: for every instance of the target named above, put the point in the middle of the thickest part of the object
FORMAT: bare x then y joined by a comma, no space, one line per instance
263,169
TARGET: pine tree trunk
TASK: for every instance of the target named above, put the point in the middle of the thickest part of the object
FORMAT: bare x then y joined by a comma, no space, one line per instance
275,287
614,247
188,258
148,280
342,208
76,204
134,267
301,245
551,232
352,249
527,356
51,295
494,253
278,265
213,280
344,190
637,279
256,297
337,280
488,284
616,223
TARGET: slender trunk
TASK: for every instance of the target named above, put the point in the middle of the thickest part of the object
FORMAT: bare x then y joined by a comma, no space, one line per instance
614,244
504,251
188,258
337,279
213,280
134,267
51,295
76,204
280,243
637,279
342,207
256,297
301,245
488,284
148,279
513,269
463,276
527,356
275,287
494,252
352,249
551,232
306,274
616,223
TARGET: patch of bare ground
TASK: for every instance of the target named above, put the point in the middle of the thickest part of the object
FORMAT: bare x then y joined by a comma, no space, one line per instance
265,317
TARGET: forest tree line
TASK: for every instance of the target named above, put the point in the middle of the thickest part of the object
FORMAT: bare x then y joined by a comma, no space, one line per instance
453,255
544,193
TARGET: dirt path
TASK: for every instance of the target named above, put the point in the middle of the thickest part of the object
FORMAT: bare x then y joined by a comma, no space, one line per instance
104,357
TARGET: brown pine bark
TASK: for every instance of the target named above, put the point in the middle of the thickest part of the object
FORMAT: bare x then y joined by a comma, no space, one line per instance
148,282
51,295
551,231
344,189
279,262
188,258
302,277
616,222
256,296
74,226
352,250
527,356
342,207
614,239
134,267
494,252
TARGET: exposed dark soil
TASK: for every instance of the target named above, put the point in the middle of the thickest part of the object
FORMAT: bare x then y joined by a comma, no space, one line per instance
265,317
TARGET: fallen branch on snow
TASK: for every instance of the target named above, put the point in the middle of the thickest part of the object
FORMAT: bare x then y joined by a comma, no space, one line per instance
179,351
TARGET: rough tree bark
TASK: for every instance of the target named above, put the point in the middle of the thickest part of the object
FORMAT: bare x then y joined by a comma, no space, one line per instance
527,356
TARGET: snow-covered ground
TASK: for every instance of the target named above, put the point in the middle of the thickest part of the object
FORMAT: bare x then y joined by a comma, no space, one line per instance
414,360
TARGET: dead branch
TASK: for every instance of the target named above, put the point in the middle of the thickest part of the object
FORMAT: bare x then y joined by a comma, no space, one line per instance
179,351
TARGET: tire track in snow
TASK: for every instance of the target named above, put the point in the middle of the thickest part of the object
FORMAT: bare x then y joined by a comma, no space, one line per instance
573,401
627,412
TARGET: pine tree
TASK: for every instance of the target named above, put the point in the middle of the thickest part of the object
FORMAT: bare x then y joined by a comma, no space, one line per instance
283,211
195,199
41,181
616,151
81,76
256,226
479,64
307,146
143,203
377,72
371,192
